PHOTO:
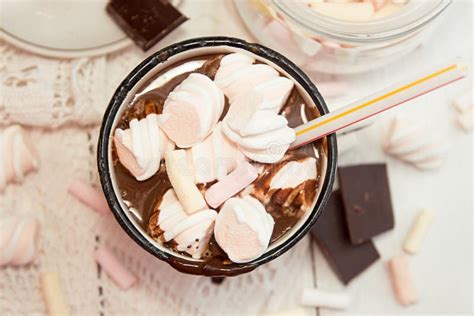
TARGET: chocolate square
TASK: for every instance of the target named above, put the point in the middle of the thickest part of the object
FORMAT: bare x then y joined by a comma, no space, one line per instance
330,233
367,202
145,21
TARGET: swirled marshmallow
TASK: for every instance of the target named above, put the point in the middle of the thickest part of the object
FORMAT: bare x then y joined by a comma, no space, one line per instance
192,110
141,147
414,144
190,232
18,156
18,241
243,229
214,158
261,135
238,75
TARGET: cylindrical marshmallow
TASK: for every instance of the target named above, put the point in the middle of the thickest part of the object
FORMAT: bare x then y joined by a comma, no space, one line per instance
418,231
18,156
318,298
18,241
115,269
181,176
402,281
53,295
231,184
89,195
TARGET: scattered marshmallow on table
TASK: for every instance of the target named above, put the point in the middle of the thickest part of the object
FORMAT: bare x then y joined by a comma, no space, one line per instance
18,241
402,281
418,231
53,295
89,196
181,176
18,156
414,144
464,104
243,228
317,298
141,147
230,185
114,269
192,110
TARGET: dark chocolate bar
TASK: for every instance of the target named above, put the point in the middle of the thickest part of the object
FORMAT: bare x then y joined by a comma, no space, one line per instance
145,21
330,233
367,203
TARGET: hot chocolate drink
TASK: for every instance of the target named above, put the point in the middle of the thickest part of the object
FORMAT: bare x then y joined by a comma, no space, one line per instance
201,158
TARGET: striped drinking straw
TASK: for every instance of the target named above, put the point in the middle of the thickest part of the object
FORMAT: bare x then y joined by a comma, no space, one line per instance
378,102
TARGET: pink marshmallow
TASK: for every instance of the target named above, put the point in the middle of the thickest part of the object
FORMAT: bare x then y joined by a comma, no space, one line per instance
89,196
114,269
402,281
231,184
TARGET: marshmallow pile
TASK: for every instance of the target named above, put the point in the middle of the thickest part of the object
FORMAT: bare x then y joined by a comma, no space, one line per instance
190,232
210,150
18,241
17,156
141,147
357,10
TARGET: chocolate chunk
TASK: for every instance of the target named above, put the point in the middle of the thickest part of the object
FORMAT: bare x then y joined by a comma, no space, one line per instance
367,203
330,233
145,21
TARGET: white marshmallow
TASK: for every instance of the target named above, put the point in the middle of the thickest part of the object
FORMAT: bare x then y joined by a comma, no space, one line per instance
18,241
414,144
192,110
190,232
181,176
141,147
418,231
18,156
294,173
318,298
243,229
263,137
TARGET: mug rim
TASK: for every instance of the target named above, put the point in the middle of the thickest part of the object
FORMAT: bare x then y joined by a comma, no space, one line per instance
162,56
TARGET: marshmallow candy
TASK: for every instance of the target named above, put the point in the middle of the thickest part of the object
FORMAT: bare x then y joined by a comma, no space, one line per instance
17,156
53,295
192,110
261,135
214,157
141,147
414,145
402,281
230,185
238,75
114,269
191,233
243,229
181,176
89,196
318,298
18,241
291,181
418,231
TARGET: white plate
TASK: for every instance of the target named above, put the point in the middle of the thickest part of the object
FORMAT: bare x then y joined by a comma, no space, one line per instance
61,28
